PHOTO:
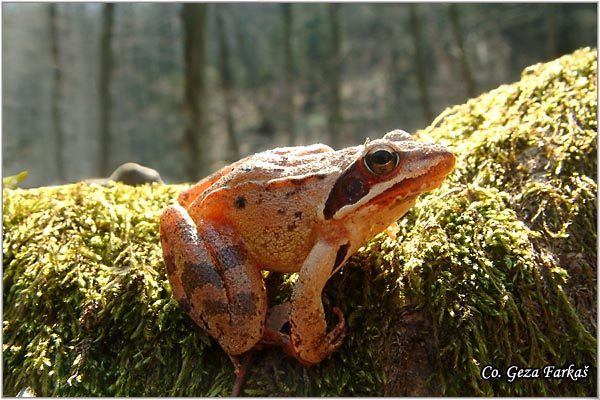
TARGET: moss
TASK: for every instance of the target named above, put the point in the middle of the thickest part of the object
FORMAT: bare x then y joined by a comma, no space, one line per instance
505,269
497,267
88,307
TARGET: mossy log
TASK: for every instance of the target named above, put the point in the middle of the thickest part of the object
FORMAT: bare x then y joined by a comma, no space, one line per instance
497,267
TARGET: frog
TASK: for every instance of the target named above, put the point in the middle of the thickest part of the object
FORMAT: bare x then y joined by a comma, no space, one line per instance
304,210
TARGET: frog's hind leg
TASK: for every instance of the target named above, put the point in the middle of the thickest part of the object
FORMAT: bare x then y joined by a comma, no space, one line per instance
177,234
214,279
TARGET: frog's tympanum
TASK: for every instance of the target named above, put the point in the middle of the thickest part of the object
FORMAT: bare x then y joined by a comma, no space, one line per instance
294,209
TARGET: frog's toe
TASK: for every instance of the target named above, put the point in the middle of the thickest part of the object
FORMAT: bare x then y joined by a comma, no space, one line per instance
337,335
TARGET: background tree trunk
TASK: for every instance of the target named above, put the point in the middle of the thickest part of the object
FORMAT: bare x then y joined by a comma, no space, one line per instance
57,89
105,103
334,74
457,30
288,72
194,18
226,83
397,80
420,65
552,29
256,76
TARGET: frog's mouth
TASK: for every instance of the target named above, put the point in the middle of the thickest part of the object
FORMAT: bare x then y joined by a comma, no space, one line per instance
407,190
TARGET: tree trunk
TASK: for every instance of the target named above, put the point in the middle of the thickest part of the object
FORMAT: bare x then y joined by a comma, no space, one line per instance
420,65
288,72
105,102
194,19
457,30
396,76
552,29
334,74
226,83
257,78
57,87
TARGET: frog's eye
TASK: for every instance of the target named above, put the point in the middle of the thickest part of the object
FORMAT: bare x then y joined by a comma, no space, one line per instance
381,160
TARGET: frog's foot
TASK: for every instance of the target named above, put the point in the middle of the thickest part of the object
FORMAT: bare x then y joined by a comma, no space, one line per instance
241,369
277,339
312,352
277,317
331,342
337,335
235,360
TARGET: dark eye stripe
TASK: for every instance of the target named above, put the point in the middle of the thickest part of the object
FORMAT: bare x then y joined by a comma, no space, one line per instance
353,185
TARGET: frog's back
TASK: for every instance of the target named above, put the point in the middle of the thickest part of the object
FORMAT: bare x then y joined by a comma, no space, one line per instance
275,164
256,167
272,201
279,164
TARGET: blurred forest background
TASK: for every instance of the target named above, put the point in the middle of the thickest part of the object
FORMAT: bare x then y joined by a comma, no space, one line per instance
188,88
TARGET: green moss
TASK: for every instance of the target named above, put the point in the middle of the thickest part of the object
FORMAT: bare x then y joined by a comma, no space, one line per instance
88,309
506,269
497,267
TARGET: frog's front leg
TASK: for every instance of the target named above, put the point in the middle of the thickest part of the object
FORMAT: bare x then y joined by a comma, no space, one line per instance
309,339
214,279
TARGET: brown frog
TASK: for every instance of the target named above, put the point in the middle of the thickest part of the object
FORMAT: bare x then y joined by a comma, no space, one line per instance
295,209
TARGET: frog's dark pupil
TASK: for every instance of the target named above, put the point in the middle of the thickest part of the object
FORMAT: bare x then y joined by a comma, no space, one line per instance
381,157
381,161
